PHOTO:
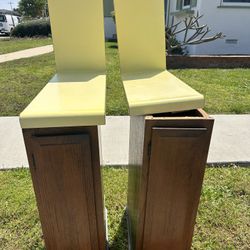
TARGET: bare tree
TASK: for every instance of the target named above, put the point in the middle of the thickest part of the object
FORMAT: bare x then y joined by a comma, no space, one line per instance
189,25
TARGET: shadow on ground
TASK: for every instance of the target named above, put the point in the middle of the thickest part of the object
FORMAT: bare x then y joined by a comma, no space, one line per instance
120,241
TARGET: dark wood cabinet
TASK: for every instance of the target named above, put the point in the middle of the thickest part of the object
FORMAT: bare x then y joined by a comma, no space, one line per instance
168,155
65,169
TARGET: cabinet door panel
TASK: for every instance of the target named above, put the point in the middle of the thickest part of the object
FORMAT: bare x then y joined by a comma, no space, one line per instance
63,182
176,170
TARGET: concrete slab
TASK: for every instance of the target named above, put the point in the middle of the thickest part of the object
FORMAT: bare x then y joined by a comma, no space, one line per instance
26,53
115,140
230,141
12,149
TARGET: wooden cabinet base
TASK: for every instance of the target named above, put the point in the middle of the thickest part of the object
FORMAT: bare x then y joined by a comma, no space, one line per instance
167,159
65,170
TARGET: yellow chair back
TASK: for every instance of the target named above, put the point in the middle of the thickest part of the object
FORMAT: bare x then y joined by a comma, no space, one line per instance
78,35
141,35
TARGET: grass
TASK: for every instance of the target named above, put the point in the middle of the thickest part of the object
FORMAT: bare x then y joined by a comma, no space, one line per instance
9,45
116,99
226,91
21,80
222,222
224,212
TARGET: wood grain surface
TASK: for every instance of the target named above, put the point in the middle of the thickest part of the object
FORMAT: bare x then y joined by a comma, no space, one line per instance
65,169
166,180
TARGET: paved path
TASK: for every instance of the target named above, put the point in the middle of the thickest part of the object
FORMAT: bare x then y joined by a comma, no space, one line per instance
26,53
12,150
2,37
230,141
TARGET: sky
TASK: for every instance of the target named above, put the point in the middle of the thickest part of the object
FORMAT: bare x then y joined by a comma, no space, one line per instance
4,4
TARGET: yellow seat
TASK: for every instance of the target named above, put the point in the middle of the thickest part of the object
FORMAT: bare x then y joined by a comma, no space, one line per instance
141,36
76,94
159,92
65,102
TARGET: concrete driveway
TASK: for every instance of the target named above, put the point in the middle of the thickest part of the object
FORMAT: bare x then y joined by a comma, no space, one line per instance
230,141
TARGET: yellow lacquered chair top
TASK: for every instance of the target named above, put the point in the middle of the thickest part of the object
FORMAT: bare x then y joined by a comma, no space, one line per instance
76,95
141,36
159,92
65,102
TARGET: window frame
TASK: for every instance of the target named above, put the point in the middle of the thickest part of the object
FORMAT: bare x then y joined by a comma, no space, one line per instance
186,6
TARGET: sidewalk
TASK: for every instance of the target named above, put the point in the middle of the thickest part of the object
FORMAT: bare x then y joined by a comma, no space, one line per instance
230,141
26,53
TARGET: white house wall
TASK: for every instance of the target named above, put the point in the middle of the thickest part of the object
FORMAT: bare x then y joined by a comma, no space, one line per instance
232,22
110,30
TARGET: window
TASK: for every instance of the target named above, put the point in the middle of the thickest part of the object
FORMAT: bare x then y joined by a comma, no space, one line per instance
2,18
236,2
186,3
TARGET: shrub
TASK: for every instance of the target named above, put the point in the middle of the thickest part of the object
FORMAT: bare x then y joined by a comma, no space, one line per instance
40,27
171,40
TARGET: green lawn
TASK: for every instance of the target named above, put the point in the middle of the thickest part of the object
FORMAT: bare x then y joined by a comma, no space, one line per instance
222,223
226,91
116,98
13,44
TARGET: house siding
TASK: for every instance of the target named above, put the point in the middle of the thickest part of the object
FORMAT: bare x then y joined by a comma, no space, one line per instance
108,7
229,21
110,30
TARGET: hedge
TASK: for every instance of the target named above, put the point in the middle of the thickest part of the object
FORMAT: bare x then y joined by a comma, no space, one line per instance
32,28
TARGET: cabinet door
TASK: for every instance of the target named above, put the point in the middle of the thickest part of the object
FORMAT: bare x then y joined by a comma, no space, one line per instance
61,168
176,170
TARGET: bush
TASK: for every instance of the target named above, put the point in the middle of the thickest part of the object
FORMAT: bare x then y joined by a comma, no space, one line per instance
173,42
32,28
